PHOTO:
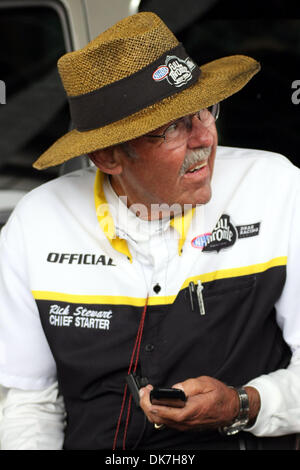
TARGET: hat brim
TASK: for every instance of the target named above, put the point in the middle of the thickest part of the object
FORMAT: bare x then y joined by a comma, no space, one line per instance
219,79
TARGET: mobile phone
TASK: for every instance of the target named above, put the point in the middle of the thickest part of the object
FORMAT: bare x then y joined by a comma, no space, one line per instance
168,397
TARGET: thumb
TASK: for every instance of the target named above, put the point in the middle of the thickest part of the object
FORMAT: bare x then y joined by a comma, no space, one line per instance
193,386
179,385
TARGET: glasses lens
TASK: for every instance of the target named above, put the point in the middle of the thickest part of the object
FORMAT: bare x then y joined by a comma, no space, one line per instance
215,109
209,115
178,131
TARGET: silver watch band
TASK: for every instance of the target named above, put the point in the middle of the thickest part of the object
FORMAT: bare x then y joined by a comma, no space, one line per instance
241,421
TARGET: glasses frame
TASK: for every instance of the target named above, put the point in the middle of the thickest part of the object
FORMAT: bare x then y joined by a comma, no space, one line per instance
215,112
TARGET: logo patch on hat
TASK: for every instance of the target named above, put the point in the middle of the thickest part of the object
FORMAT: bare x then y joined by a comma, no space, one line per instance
177,71
224,235
160,73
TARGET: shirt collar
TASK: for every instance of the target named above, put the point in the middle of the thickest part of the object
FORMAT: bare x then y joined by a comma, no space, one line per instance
180,223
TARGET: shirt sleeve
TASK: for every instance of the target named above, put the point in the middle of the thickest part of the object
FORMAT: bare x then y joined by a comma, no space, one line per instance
280,401
32,420
26,361
280,390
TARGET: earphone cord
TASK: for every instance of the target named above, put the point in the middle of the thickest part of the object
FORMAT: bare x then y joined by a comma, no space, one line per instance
135,354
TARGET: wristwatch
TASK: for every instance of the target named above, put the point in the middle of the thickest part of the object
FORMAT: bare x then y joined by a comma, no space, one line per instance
241,421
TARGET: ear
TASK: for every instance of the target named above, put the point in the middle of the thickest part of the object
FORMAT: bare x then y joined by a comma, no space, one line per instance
107,160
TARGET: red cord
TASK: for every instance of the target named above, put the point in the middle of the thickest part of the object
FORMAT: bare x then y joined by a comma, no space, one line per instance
135,352
120,417
127,422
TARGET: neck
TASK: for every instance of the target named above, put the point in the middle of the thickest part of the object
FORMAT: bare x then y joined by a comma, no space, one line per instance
142,209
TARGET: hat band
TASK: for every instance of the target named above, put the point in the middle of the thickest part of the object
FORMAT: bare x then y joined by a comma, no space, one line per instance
171,73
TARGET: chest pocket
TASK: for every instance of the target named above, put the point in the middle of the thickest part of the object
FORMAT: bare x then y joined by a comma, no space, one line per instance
211,343
223,330
226,300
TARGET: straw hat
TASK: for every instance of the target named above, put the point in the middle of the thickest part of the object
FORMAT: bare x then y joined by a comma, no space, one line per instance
134,78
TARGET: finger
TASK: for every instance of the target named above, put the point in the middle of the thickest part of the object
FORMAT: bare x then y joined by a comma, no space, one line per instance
167,414
145,402
144,393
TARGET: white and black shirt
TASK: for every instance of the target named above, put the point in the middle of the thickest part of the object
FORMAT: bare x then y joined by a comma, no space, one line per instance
76,268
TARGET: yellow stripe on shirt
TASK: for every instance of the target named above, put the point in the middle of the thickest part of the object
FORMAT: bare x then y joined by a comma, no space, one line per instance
158,300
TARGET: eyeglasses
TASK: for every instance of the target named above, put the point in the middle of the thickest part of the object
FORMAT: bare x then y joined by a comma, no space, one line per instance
177,132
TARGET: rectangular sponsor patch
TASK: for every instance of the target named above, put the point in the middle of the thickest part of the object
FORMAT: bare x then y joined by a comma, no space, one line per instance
250,230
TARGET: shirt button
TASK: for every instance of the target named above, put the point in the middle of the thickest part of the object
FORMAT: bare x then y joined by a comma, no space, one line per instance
149,347
157,288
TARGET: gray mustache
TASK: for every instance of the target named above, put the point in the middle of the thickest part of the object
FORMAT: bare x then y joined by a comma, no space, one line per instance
194,156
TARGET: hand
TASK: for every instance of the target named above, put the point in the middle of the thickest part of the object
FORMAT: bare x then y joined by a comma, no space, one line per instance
210,404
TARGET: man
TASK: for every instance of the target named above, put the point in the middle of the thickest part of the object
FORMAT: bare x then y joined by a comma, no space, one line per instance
171,263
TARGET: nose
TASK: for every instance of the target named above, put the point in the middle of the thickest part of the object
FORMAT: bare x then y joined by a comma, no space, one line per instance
200,135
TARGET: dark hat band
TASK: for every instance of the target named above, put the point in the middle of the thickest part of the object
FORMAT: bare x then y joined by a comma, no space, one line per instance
171,73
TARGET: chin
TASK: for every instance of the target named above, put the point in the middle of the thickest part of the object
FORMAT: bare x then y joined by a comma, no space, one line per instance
203,198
